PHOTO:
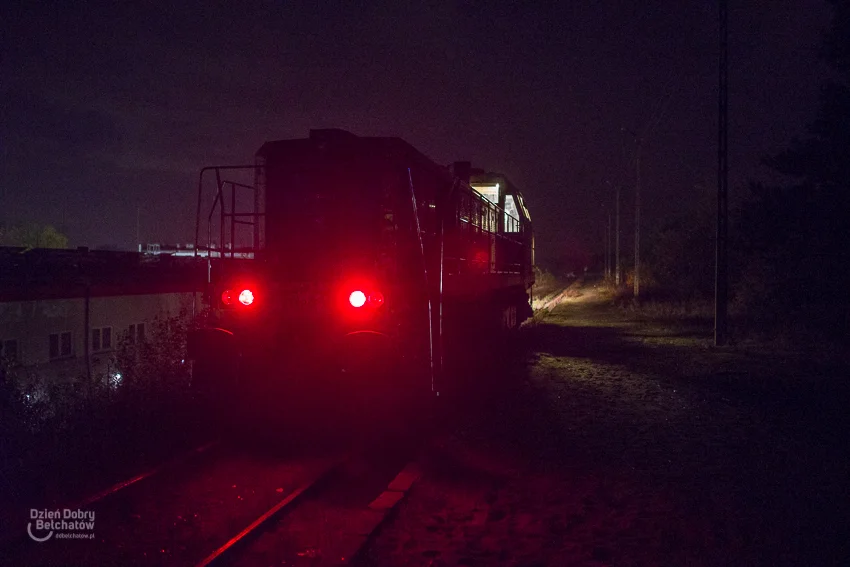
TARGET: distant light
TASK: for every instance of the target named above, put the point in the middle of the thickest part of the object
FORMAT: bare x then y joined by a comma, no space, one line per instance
357,298
246,297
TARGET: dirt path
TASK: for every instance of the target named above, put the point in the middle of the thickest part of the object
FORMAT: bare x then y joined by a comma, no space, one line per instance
637,444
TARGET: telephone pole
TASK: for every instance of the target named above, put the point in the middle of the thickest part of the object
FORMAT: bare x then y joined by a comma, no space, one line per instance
721,283
645,132
608,250
639,144
617,241
637,218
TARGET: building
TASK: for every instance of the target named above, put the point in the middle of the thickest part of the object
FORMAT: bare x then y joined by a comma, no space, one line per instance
63,313
188,250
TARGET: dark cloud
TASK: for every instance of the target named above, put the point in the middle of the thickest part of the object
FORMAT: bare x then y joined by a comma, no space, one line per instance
136,97
37,132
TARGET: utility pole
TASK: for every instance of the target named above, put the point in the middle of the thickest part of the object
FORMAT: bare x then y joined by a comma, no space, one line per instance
637,218
639,145
608,250
604,253
654,121
617,242
604,245
721,283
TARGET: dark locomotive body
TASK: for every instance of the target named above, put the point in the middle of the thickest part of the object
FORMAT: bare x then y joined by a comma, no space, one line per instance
362,257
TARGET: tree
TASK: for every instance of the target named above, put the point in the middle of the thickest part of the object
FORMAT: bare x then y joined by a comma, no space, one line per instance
820,159
795,235
680,254
33,236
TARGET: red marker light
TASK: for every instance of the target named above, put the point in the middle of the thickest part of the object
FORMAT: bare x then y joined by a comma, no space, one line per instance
227,297
246,297
376,299
357,298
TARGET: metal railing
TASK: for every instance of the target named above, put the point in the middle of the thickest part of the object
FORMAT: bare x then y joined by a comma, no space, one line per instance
229,218
484,238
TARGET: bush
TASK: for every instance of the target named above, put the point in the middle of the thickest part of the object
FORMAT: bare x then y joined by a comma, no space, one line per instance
144,382
159,364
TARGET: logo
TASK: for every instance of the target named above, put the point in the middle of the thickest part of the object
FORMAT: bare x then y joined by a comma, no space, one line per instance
61,524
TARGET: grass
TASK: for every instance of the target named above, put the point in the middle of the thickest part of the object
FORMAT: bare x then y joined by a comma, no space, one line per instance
798,333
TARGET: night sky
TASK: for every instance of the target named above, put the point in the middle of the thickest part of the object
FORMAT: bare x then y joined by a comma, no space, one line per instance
106,110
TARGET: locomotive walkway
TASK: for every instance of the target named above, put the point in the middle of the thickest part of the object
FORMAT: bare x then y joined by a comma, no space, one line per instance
637,444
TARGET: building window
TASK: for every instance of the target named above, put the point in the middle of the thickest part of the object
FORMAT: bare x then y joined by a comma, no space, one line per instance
9,350
101,339
60,344
136,333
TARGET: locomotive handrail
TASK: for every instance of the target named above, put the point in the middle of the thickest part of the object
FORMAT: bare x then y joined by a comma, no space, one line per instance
235,216
217,168
232,215
499,212
475,218
425,275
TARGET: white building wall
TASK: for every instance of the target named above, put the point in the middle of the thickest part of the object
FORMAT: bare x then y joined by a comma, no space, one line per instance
31,323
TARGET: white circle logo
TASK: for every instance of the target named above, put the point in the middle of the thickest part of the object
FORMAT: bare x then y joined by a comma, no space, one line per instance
38,539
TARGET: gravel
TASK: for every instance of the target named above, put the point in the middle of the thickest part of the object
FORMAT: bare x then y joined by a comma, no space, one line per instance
634,443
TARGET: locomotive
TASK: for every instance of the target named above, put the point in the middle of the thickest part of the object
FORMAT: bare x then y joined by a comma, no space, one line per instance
347,257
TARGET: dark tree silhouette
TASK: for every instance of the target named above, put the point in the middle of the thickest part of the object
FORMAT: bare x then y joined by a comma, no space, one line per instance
820,160
32,236
680,254
795,263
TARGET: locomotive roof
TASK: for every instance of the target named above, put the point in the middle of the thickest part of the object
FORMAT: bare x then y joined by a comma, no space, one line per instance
341,144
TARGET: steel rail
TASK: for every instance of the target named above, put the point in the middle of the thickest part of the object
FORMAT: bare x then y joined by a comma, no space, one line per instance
284,505
147,474
10,537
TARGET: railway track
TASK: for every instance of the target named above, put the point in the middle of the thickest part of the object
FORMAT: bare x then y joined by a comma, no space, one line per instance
225,504
11,537
328,520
